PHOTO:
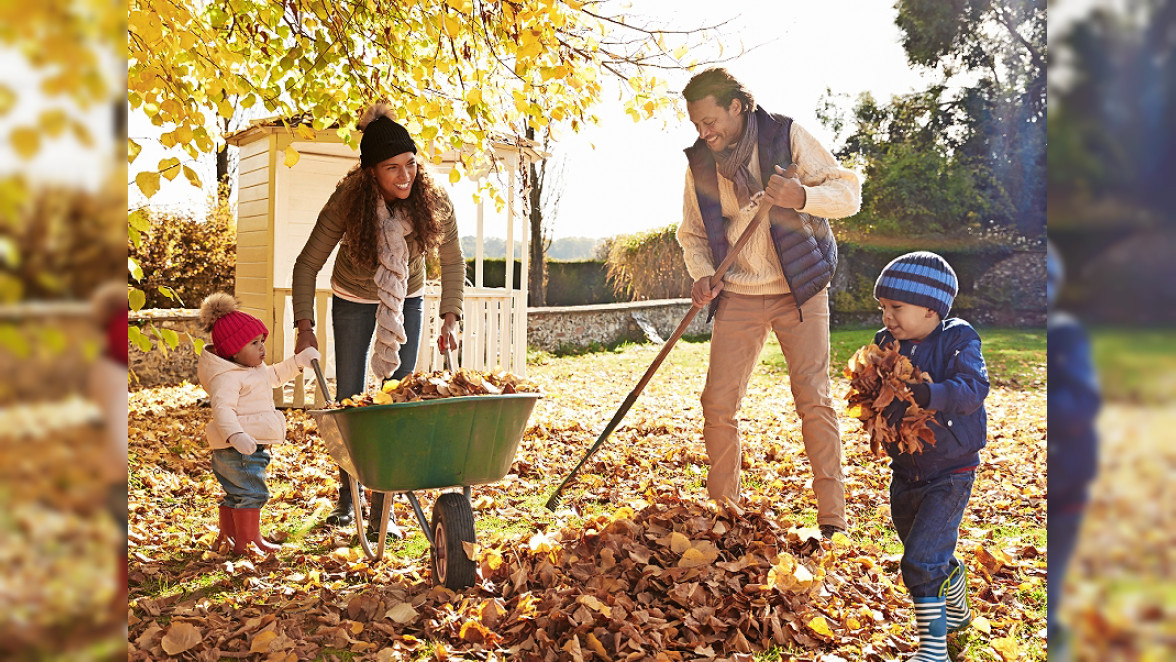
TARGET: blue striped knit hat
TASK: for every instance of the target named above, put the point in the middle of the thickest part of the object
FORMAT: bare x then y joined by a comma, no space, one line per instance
921,278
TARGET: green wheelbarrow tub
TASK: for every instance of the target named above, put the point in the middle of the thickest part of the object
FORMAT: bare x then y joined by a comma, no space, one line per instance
429,444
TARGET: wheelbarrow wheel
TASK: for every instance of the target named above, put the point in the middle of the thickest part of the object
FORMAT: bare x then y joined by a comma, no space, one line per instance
453,525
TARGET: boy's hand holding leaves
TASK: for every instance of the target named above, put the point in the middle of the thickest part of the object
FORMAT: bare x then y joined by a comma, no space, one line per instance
889,395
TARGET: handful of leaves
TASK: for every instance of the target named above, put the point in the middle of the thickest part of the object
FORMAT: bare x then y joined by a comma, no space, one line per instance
442,384
877,377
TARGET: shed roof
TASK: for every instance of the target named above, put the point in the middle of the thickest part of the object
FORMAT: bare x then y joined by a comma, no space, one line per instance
500,142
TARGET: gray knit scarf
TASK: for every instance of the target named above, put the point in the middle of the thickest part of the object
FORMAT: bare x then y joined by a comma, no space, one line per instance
392,282
732,163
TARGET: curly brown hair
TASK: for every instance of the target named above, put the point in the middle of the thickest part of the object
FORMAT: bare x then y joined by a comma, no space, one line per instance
426,207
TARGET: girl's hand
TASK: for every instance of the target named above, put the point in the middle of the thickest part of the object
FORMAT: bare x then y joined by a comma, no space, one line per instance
447,339
302,359
244,444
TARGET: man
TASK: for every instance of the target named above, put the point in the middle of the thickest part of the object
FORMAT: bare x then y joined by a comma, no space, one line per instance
778,282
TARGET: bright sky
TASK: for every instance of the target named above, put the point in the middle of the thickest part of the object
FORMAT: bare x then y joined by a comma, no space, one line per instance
622,177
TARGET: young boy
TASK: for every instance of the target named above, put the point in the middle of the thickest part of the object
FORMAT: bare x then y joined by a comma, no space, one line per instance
929,490
1074,401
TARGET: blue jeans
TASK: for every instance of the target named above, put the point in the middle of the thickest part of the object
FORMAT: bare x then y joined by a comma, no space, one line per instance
354,325
1062,531
242,476
927,517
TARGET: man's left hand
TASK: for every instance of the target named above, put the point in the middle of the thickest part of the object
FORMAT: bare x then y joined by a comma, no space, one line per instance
447,339
784,189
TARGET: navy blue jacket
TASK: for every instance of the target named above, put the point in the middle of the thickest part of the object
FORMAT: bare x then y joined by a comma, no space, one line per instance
1074,401
951,355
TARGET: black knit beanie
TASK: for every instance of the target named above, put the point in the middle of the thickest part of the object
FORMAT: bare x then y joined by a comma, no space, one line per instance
383,139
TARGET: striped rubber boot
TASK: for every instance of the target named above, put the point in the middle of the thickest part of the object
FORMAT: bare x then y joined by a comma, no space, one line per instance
931,617
959,612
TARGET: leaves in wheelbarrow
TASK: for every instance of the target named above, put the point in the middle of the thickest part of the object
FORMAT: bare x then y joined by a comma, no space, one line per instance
879,376
443,384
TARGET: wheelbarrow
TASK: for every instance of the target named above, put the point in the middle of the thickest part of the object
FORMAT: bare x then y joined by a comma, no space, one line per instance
403,447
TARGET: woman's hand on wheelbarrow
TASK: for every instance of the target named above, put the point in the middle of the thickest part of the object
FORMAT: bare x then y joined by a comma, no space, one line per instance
447,339
305,336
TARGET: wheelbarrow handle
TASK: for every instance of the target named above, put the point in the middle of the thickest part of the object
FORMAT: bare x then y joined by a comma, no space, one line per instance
322,381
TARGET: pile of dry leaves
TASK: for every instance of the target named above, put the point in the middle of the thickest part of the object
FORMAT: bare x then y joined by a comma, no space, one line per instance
878,376
442,384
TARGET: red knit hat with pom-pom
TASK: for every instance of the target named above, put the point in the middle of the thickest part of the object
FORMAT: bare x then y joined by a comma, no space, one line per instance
231,329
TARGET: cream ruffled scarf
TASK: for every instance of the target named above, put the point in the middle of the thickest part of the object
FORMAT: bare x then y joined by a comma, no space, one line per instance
392,282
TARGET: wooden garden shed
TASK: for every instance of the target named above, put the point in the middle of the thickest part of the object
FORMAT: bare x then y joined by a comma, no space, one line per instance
277,207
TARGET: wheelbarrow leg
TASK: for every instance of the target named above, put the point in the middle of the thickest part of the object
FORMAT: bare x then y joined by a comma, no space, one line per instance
359,526
420,514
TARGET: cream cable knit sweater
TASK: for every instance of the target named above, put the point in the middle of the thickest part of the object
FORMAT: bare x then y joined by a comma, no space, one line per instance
831,191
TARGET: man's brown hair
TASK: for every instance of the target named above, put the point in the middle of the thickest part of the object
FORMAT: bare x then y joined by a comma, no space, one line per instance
720,84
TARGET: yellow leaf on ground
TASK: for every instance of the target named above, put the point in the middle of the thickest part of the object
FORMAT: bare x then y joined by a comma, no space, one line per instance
596,646
180,637
820,626
679,543
1007,647
540,543
592,602
692,558
982,624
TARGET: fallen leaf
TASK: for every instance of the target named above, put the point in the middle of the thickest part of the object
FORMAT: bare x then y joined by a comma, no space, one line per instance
402,613
1007,647
180,637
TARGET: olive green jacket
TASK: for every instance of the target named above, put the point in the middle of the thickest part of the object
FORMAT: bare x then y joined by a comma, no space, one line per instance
353,279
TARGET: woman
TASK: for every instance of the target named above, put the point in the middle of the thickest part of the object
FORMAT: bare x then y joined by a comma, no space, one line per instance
385,215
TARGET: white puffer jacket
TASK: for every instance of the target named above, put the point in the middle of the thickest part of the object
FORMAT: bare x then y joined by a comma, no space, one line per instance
243,398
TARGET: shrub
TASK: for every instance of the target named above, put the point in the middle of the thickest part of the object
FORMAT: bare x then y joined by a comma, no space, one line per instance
648,265
58,242
194,256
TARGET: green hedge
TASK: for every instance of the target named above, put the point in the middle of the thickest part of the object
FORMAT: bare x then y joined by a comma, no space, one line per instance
571,283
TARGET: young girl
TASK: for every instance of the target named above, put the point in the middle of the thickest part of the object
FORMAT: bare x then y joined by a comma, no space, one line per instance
244,420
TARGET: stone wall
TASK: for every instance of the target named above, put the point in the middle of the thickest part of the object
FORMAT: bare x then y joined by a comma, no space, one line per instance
1010,292
577,327
157,368
46,350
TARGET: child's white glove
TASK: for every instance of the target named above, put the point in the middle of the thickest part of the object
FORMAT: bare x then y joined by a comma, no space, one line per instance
244,444
303,358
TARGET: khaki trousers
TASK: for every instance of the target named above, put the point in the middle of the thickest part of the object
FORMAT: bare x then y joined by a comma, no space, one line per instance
741,328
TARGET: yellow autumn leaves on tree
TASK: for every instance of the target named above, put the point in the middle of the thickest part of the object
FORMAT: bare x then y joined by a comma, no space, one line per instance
455,72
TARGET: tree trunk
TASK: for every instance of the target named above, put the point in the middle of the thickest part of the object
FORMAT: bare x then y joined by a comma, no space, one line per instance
223,186
537,275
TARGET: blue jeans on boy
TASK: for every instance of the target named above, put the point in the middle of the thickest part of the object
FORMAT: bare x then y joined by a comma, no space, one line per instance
927,516
1062,532
354,324
242,476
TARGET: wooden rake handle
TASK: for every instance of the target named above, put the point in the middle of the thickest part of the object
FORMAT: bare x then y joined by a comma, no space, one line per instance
760,216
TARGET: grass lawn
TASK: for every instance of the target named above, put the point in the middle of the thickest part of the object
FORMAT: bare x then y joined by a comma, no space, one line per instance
1136,365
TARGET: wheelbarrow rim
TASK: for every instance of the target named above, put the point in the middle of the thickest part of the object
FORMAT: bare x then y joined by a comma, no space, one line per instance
422,403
